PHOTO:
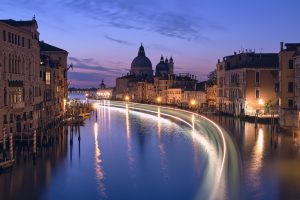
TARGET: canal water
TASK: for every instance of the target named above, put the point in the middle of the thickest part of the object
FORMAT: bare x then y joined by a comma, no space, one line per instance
269,159
131,155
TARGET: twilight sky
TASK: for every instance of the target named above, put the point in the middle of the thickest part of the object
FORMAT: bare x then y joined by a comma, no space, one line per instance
103,36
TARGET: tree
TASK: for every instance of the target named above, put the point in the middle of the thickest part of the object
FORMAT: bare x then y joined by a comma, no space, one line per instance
212,78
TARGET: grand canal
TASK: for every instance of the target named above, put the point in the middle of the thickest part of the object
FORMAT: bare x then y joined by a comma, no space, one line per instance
132,151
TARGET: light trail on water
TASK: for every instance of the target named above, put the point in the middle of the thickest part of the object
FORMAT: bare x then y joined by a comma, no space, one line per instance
217,148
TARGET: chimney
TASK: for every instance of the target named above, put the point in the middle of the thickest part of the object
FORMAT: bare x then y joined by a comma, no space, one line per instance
281,46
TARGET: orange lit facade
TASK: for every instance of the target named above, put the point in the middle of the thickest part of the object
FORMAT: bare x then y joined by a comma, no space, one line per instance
33,78
247,84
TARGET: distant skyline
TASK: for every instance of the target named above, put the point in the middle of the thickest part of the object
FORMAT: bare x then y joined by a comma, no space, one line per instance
103,36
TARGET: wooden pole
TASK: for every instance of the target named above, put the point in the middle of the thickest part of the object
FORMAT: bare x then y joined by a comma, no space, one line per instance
4,143
11,147
4,139
34,143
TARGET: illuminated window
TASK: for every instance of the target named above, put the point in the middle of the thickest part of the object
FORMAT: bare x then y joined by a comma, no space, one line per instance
16,95
48,78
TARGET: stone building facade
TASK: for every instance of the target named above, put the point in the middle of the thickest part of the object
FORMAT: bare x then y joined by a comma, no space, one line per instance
53,71
140,85
247,83
20,84
22,77
289,84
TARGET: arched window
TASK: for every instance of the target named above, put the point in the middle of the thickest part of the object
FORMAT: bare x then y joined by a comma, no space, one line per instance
19,68
12,65
9,63
29,68
5,97
16,66
4,63
23,66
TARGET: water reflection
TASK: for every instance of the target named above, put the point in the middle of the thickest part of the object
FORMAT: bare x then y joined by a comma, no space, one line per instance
161,146
268,157
29,177
256,159
129,146
111,163
98,162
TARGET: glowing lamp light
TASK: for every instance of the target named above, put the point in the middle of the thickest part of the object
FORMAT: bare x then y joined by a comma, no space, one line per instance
193,102
95,106
158,99
261,102
127,98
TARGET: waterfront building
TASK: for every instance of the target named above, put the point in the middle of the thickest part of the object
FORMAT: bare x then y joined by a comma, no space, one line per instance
144,92
32,74
53,72
211,96
103,92
140,71
247,83
289,84
195,98
174,96
140,85
182,81
20,84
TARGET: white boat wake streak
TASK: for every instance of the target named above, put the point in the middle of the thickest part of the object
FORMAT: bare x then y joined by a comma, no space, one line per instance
222,174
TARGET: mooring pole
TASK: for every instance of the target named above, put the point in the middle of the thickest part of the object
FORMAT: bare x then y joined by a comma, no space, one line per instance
11,147
4,143
34,144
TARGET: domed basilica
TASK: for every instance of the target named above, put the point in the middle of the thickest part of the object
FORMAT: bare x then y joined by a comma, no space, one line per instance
141,66
142,85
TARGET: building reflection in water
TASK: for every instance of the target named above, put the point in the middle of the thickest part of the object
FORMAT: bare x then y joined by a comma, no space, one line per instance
255,167
98,162
29,177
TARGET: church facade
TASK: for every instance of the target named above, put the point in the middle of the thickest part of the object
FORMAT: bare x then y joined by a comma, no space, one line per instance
143,84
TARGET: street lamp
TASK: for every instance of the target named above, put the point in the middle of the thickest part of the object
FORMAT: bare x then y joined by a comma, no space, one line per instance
158,99
127,98
261,102
193,102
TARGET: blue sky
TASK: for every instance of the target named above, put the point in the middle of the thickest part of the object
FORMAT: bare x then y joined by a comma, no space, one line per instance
103,36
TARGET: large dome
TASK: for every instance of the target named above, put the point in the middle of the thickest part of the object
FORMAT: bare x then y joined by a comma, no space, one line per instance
141,61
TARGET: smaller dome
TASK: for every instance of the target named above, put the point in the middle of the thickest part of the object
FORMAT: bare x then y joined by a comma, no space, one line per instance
161,66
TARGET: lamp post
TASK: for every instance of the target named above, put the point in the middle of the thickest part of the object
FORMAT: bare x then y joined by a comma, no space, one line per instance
158,100
193,103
